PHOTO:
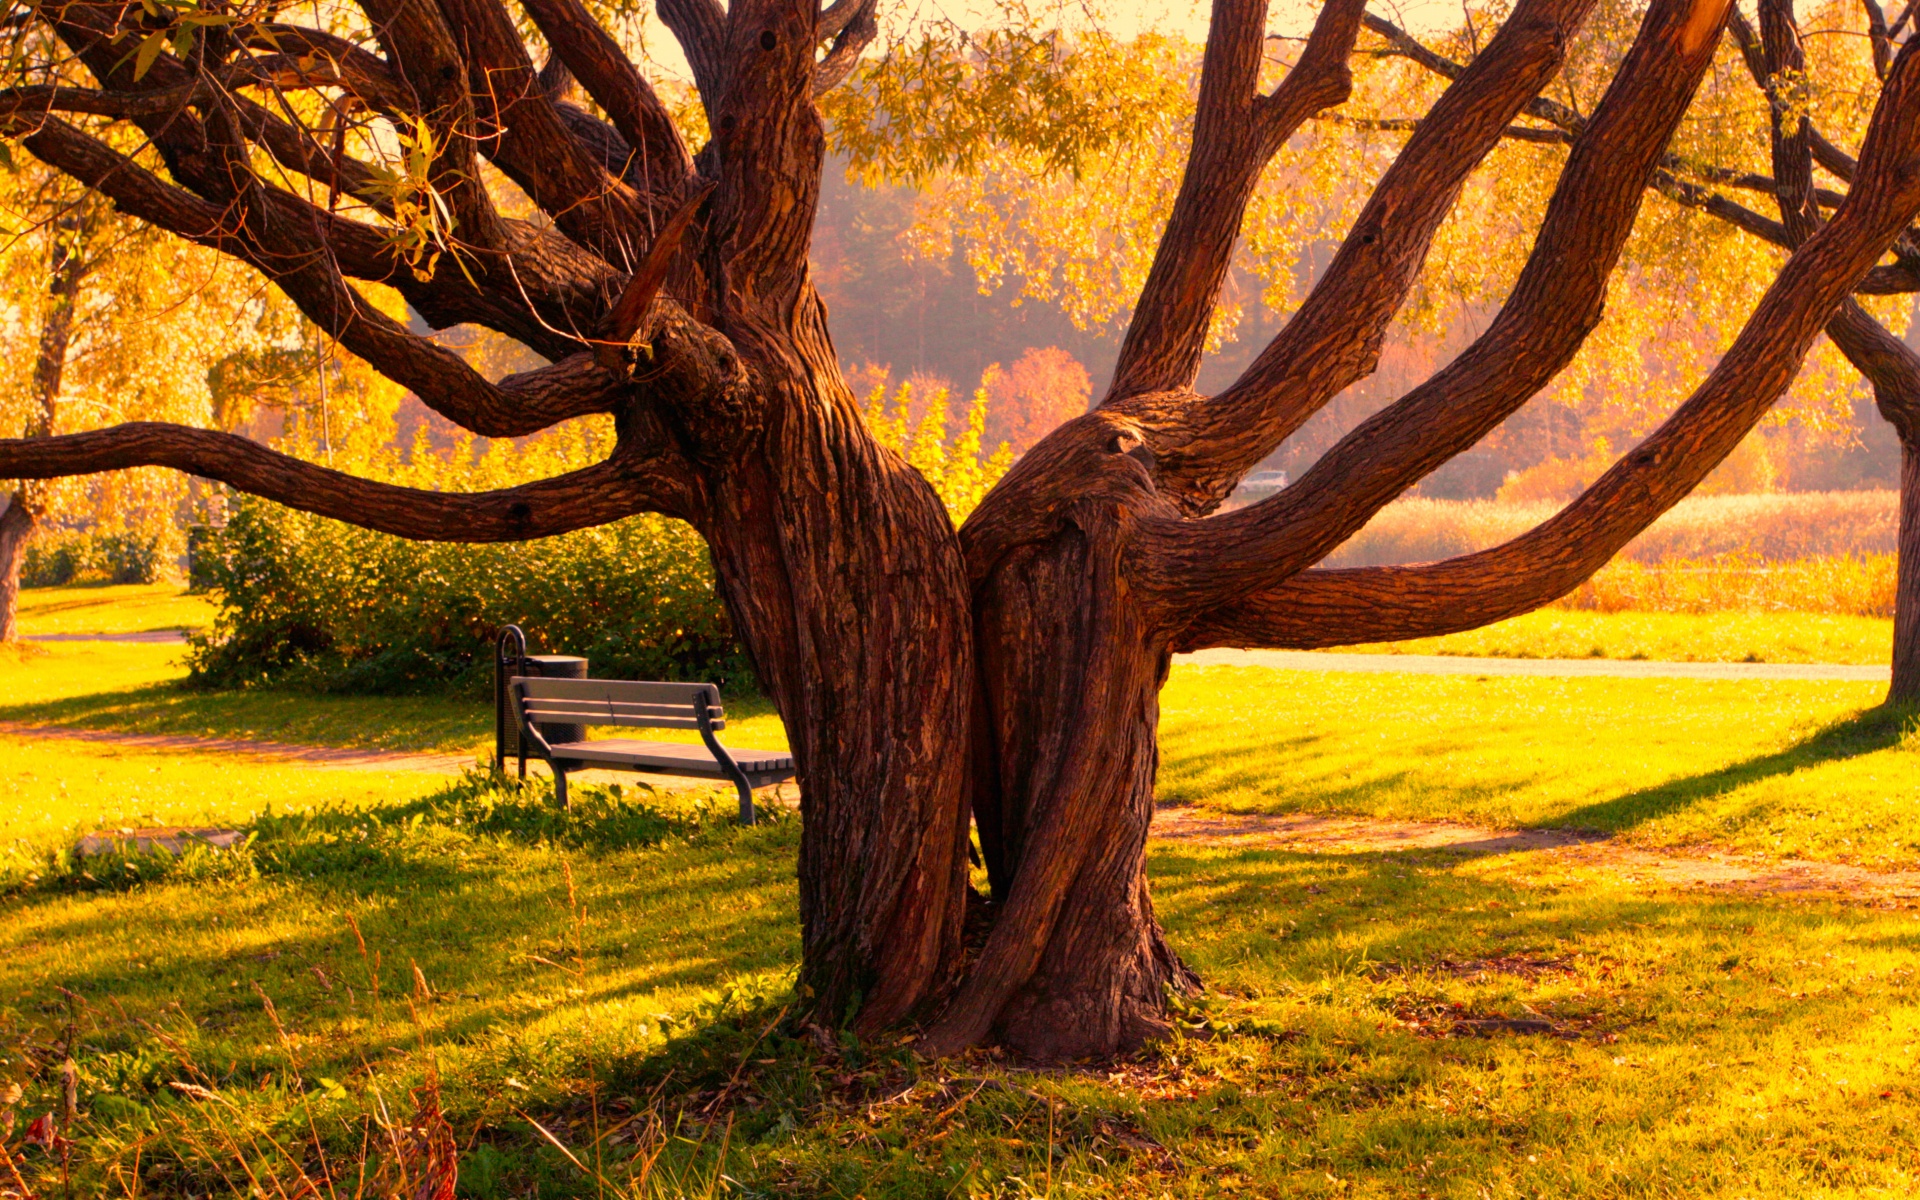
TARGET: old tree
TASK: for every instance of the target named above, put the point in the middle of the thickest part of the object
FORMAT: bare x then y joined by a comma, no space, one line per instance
1007,671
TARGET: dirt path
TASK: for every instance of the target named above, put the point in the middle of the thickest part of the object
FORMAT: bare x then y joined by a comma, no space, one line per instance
1446,664
337,757
1307,833
325,756
1695,867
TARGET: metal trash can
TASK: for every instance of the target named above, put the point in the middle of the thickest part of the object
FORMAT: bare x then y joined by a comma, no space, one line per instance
510,659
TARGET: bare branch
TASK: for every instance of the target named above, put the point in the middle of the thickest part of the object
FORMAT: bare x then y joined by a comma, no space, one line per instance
422,53
1555,303
530,141
854,36
1878,36
1552,559
624,319
838,16
700,26
304,57
594,495
603,68
1235,132
1203,448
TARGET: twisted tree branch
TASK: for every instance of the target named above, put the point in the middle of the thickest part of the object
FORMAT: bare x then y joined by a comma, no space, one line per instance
1323,608
606,491
1203,448
1555,303
1235,133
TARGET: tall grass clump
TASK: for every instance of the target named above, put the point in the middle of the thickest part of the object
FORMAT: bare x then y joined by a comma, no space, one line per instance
1848,585
1772,528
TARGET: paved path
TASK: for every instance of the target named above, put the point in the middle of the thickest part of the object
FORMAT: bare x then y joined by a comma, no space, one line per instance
1446,664
1314,660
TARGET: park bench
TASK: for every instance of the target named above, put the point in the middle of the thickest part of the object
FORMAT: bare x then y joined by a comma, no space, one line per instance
546,705
638,705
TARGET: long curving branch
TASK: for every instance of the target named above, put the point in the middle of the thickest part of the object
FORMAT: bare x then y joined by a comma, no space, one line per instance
1203,447
518,405
606,491
1556,302
1236,131
1337,607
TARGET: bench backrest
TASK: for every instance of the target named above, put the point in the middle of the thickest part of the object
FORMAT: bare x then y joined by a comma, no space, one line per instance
616,702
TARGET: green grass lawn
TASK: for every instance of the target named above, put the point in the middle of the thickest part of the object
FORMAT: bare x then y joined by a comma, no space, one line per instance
121,608
1769,767
628,963
625,962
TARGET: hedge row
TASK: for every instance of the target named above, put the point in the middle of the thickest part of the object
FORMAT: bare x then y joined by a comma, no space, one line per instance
313,603
56,558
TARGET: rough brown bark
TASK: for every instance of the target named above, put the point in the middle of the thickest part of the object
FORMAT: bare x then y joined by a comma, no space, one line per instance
16,526
1076,965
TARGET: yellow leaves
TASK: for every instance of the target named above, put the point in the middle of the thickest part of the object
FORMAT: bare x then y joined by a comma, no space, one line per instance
178,21
948,100
419,224
953,466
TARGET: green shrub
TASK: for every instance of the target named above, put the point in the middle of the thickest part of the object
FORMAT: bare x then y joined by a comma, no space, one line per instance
57,558
310,602
314,603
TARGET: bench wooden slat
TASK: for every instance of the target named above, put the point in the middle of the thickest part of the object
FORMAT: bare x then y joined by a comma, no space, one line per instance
615,691
669,757
641,716
616,708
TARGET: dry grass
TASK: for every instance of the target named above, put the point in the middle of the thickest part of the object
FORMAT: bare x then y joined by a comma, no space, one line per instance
1773,528
1812,552
1853,585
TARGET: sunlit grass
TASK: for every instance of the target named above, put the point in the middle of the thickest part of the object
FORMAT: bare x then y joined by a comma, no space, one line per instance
58,789
1775,767
1697,1045
636,955
120,608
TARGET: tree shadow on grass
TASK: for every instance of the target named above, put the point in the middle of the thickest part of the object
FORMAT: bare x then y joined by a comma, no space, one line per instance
1875,729
401,723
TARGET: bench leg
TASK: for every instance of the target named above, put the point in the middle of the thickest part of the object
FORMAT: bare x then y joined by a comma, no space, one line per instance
560,787
746,800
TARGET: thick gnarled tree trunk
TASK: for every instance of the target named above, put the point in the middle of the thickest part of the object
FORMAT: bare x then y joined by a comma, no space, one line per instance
1011,670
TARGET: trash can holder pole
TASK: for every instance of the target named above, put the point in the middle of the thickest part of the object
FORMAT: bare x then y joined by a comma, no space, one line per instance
510,653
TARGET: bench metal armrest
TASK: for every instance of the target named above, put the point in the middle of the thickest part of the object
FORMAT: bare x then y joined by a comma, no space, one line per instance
529,733
720,755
